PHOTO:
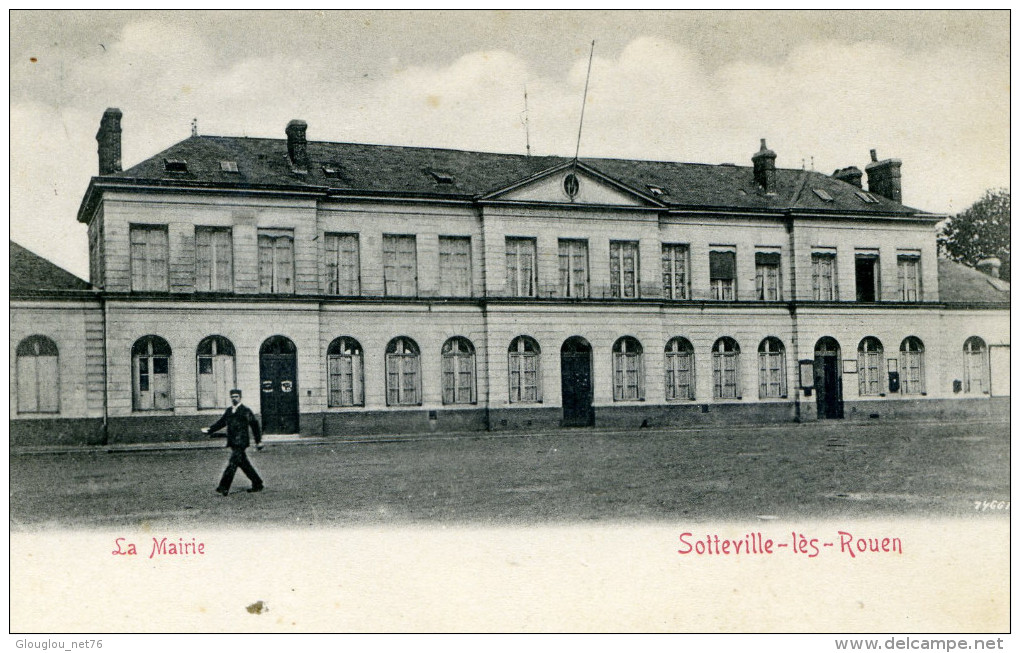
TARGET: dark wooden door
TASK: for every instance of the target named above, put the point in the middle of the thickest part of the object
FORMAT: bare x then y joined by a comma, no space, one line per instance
576,383
279,386
828,382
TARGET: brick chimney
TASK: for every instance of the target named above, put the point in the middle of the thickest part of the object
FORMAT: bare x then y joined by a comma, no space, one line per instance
884,177
765,168
989,266
297,145
108,137
851,175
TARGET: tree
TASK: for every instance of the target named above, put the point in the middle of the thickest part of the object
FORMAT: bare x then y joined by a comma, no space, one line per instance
980,231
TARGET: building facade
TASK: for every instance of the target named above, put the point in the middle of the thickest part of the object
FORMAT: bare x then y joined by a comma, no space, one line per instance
351,289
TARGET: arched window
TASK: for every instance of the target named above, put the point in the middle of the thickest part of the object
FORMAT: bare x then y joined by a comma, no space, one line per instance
150,362
726,369
345,367
771,369
912,366
975,366
458,371
525,380
679,370
38,376
403,373
215,372
628,370
870,366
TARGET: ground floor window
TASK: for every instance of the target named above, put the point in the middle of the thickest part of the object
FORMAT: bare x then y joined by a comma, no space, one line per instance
912,366
458,371
975,366
679,370
628,370
345,368
38,376
215,361
726,369
524,359
771,369
150,360
870,363
403,373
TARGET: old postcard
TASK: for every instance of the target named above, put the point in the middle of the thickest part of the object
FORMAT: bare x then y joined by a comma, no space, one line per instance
438,321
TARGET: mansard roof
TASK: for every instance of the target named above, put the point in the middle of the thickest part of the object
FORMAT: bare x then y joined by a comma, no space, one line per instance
31,272
386,170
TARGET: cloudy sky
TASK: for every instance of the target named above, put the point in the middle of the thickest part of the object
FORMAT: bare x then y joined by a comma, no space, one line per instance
929,88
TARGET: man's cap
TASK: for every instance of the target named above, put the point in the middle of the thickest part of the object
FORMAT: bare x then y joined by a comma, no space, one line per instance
235,391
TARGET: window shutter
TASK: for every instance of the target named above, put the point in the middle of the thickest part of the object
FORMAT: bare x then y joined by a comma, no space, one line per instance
203,260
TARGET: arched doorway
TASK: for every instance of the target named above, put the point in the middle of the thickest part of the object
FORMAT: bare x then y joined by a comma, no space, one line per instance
576,382
828,380
278,385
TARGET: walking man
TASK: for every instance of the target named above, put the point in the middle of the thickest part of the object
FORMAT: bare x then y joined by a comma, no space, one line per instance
238,418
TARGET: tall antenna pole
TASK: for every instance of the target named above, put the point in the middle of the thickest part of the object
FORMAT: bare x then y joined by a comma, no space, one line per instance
527,133
584,101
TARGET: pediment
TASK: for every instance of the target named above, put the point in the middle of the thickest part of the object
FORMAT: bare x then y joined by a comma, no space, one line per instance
591,188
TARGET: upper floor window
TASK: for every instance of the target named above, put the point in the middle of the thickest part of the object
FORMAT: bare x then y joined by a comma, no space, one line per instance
524,371
573,257
912,366
766,276
403,373
623,268
521,267
455,266
726,369
149,258
150,366
722,272
870,366
823,276
345,369
216,376
679,370
628,370
866,270
908,267
276,261
343,264
400,266
38,376
676,281
214,259
458,371
975,366
771,369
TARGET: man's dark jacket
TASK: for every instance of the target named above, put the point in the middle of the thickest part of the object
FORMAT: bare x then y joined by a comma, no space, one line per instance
237,423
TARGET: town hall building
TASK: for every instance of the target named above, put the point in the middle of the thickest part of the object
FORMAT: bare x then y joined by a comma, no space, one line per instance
351,289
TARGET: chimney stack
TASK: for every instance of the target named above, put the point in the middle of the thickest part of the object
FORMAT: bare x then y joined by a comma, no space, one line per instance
764,161
990,266
297,145
851,175
108,137
884,177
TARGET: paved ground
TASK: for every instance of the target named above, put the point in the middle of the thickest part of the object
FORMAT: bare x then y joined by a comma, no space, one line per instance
822,470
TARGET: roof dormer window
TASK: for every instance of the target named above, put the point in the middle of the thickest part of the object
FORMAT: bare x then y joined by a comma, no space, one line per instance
175,165
331,170
656,191
822,195
228,166
441,177
867,198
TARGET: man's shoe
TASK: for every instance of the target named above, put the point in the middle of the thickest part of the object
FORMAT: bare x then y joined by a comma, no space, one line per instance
257,489
220,490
